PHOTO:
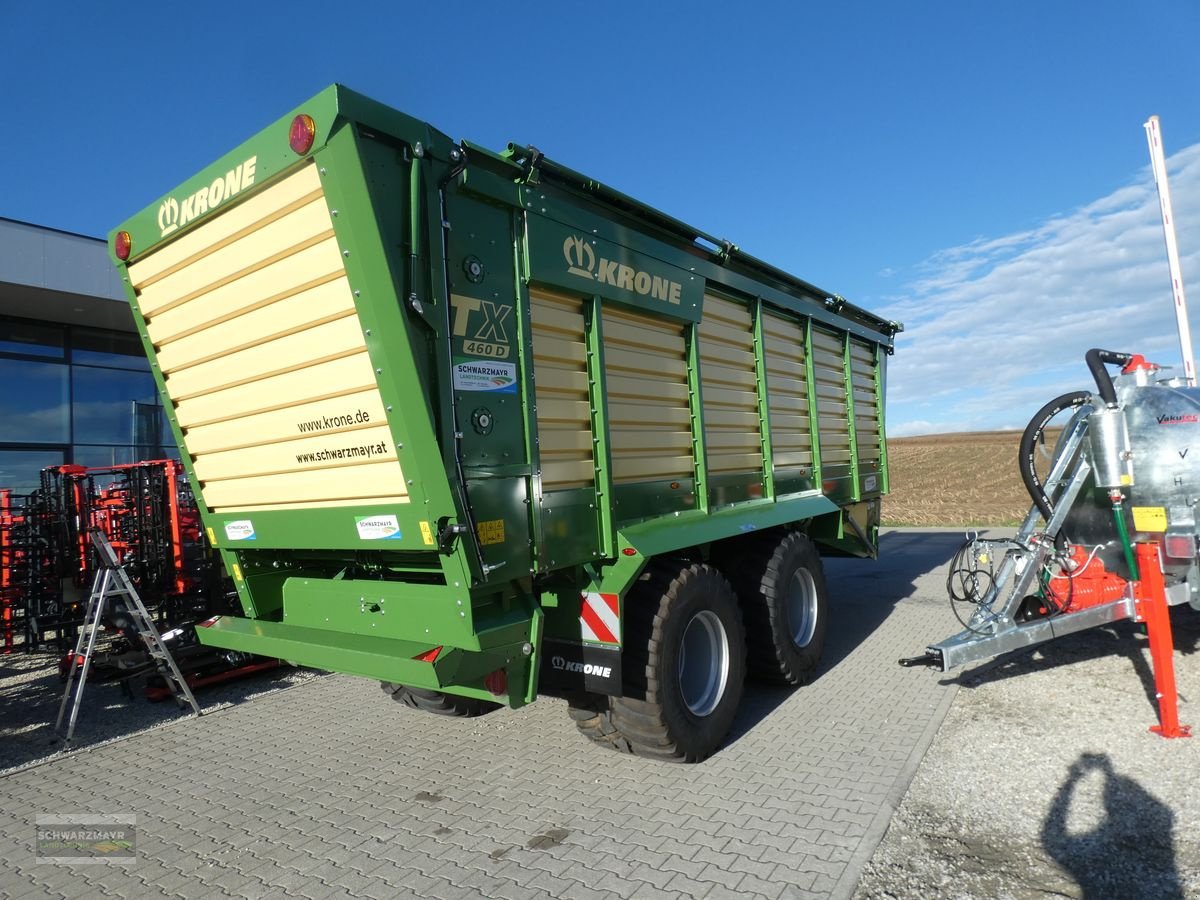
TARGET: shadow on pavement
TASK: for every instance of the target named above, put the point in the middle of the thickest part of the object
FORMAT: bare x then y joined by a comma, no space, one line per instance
1129,853
31,693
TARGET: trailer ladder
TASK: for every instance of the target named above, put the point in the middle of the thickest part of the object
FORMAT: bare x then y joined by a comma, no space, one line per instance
113,581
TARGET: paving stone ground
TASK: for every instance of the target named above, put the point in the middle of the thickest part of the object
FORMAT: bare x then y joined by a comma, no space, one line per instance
328,790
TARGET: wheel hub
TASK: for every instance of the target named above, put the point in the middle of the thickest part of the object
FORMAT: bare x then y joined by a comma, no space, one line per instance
703,663
802,607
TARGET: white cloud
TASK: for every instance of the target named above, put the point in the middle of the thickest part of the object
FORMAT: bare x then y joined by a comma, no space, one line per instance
999,325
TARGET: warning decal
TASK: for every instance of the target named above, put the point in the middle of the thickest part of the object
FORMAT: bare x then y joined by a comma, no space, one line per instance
599,620
1150,518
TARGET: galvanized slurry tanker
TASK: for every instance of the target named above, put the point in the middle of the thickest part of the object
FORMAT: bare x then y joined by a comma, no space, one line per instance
1112,533
479,427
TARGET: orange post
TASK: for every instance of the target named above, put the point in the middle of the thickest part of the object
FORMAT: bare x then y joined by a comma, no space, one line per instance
1151,605
6,604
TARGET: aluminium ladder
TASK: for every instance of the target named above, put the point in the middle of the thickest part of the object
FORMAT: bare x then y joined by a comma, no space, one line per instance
113,581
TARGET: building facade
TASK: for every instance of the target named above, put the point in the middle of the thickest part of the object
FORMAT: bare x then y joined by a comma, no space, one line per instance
75,386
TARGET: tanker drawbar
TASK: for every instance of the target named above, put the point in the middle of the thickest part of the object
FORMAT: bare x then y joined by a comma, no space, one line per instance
479,427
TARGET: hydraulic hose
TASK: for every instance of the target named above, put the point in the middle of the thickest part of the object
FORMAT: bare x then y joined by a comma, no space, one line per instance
1033,433
1096,359
1126,546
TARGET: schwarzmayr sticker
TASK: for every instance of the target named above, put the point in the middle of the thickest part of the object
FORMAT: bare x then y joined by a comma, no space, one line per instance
241,530
482,375
378,528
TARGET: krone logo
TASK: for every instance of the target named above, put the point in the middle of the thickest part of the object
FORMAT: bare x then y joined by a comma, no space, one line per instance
581,258
173,214
579,668
582,262
168,216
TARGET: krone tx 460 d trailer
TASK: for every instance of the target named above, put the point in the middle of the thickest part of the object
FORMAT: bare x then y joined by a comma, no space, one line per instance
479,427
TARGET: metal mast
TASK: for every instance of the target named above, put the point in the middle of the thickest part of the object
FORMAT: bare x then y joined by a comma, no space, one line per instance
1159,165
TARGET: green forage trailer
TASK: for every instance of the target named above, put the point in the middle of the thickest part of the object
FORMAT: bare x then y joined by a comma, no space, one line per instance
479,427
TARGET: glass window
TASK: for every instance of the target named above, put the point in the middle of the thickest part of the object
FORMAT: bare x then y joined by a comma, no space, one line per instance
34,402
107,404
30,338
102,457
21,470
105,456
107,348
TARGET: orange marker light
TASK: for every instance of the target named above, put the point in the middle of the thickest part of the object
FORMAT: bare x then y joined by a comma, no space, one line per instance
302,134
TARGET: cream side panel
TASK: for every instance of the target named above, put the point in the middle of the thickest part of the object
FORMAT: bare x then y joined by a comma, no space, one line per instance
643,468
792,387
716,332
789,460
552,439
302,454
828,342
552,379
729,463
564,411
632,442
655,368
557,320
351,412
732,419
735,314
229,224
791,440
789,329
321,304
317,504
723,440
561,389
336,378
556,350
348,483
647,414
637,326
253,251
734,357
727,377
310,267
567,474
313,345
714,396
673,393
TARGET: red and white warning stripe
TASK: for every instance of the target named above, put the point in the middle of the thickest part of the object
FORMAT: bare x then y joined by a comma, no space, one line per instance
598,618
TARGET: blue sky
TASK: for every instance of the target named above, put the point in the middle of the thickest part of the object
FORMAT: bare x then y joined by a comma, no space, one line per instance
978,171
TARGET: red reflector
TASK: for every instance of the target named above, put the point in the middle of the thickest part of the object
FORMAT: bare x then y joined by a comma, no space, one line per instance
429,655
496,682
302,134
122,244
1180,546
208,623
629,551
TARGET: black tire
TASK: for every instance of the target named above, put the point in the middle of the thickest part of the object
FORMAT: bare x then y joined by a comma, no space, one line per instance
683,666
436,702
781,584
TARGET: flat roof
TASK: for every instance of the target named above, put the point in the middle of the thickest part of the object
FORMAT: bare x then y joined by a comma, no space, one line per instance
58,276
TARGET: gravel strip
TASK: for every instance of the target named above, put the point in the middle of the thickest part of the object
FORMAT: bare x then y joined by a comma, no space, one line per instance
1044,780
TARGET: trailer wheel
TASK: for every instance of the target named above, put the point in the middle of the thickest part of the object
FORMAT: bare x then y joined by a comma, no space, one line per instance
437,702
684,667
781,585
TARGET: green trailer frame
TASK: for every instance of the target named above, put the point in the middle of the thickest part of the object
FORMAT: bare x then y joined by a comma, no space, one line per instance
432,399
